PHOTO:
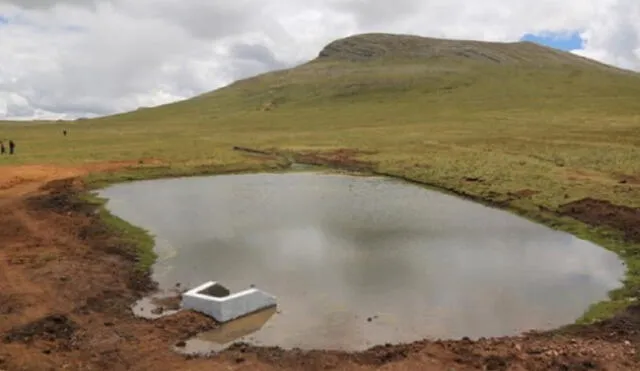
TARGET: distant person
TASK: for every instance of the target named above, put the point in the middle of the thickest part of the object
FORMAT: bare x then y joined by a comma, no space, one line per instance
2,149
12,147
64,132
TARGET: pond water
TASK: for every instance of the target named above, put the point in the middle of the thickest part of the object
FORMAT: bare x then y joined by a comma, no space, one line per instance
356,262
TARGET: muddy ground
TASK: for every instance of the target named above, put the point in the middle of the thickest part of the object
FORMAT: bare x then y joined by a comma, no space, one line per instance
66,286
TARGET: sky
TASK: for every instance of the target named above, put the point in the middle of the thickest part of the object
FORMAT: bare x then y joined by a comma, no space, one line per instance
86,58
567,41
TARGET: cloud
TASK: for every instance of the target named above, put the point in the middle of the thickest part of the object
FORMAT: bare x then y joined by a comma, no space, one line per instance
47,4
614,35
75,58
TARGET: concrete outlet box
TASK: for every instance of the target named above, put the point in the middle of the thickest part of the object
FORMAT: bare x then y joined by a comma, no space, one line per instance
217,301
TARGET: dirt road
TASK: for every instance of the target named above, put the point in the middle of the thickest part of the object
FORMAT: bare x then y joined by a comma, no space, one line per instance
66,286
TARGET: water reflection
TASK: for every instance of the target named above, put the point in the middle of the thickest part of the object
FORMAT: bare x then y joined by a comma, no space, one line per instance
339,250
223,336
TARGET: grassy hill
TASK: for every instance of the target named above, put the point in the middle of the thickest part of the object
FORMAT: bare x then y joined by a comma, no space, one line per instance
407,96
444,108
492,120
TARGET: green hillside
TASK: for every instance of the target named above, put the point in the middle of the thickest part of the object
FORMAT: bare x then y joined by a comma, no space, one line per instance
406,96
419,101
377,68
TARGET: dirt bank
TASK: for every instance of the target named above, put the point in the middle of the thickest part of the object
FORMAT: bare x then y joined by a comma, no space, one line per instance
66,285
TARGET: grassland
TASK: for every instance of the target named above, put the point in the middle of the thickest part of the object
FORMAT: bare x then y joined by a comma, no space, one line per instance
484,119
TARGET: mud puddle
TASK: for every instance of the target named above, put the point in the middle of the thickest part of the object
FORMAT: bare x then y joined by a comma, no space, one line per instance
357,262
157,305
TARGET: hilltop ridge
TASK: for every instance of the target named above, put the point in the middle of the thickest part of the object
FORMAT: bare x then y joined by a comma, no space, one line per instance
371,46
435,72
425,71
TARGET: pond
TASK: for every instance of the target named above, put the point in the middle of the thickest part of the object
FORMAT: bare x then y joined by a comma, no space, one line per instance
358,261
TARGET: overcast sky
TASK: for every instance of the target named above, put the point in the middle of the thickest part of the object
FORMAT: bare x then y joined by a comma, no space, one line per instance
71,58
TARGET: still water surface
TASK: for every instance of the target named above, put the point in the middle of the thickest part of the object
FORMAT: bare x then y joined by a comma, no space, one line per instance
357,262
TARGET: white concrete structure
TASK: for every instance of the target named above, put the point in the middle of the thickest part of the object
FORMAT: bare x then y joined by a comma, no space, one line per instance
216,301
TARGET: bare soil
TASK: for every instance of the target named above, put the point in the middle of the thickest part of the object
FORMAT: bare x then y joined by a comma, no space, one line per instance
343,158
67,284
603,213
